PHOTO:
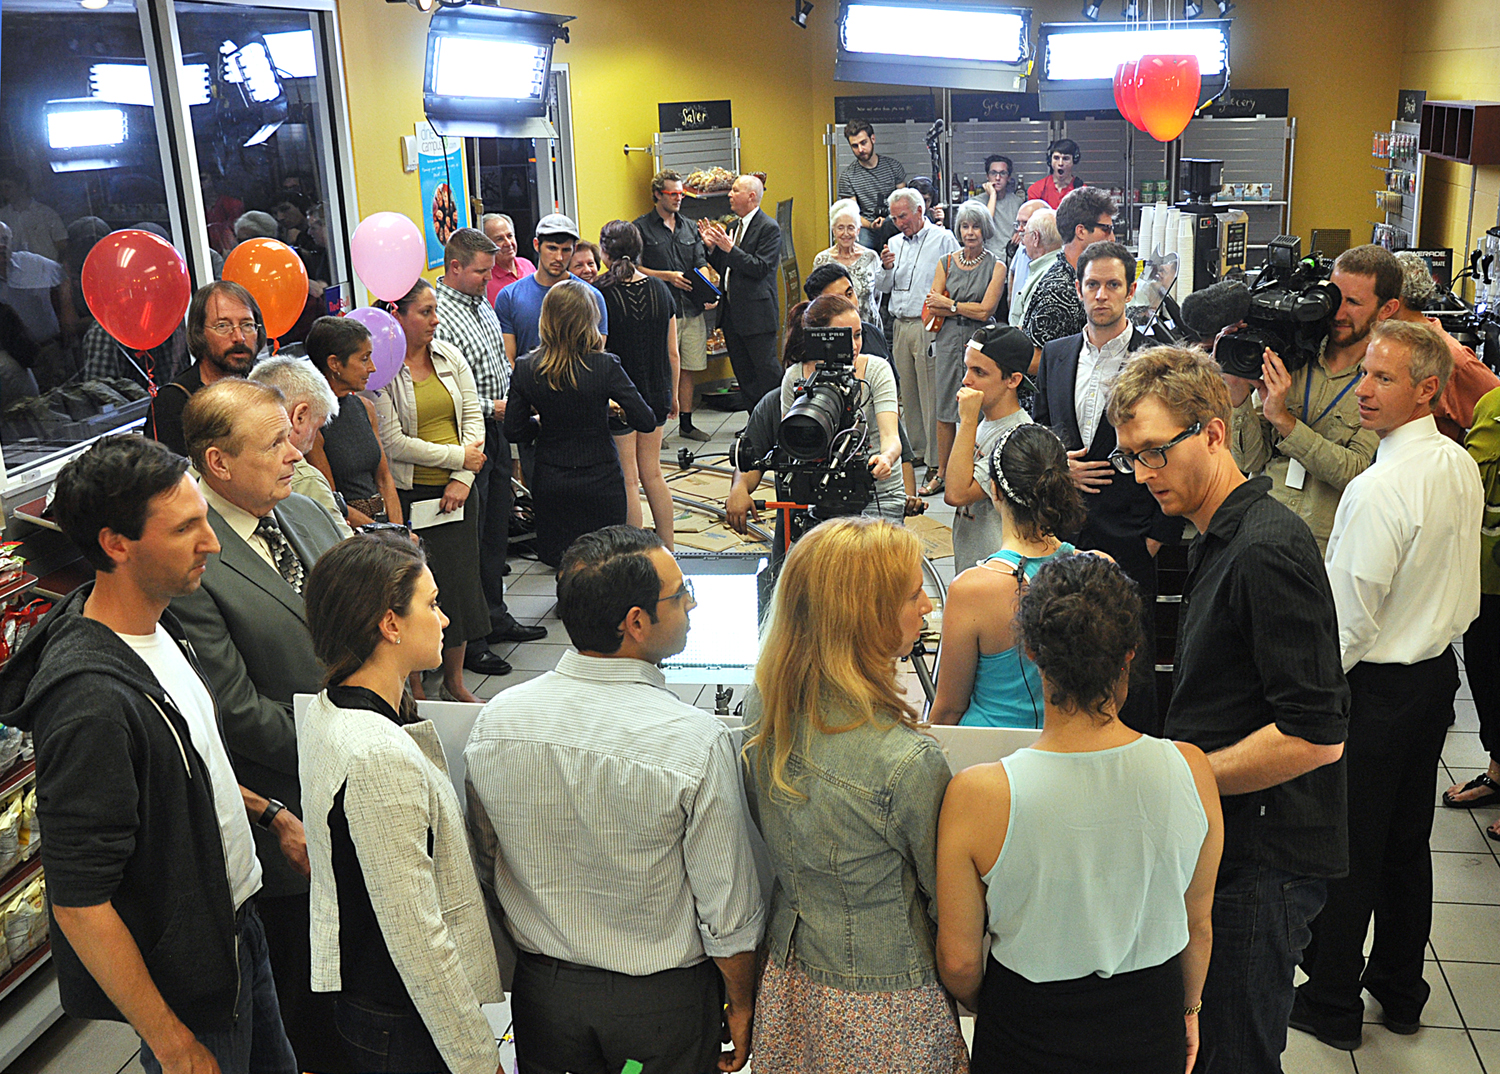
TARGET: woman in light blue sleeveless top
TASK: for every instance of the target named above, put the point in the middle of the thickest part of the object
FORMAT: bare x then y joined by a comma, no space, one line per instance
1088,859
984,679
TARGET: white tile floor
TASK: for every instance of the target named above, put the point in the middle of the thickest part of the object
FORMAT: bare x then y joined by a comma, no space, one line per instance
1461,1024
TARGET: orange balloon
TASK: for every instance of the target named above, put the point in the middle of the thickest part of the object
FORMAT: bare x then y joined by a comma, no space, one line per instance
273,273
1166,93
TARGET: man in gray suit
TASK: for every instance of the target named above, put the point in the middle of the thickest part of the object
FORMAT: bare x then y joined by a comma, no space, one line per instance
247,624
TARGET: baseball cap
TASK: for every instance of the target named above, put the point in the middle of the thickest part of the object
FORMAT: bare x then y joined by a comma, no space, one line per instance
1008,347
557,224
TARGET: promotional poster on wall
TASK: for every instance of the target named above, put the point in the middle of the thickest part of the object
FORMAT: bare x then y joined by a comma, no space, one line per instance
445,195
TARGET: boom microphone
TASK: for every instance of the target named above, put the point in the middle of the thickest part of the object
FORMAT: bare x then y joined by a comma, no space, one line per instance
1215,308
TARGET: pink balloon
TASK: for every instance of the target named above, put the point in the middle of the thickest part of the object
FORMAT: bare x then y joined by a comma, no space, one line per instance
389,254
389,341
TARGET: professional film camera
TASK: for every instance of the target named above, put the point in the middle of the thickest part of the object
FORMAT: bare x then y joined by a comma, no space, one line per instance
1290,309
820,458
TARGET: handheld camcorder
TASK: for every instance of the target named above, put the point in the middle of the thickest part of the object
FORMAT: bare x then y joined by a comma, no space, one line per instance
820,457
1290,310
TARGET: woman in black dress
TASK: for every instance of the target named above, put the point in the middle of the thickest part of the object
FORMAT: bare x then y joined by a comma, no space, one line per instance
559,399
643,332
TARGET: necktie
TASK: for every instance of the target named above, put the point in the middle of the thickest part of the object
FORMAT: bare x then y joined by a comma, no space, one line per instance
287,563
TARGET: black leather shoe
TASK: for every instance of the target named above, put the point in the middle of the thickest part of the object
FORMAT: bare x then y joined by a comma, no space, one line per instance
1344,1038
484,662
515,631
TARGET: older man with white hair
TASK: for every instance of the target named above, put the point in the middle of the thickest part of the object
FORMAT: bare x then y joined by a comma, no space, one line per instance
908,266
310,405
746,256
1041,245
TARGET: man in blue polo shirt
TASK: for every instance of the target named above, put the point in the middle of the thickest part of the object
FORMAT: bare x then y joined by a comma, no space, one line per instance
519,306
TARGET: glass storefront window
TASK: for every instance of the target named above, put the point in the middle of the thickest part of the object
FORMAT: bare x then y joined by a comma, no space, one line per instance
265,148
79,157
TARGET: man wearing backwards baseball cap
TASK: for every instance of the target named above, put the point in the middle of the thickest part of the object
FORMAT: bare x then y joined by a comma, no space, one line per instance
995,364
519,306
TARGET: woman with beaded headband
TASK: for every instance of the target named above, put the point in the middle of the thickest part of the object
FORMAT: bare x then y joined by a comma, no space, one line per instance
984,678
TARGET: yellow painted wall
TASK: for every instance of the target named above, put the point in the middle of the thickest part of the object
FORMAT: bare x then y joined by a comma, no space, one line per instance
1453,53
627,55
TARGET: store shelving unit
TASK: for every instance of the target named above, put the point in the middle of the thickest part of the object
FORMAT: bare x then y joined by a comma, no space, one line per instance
1400,203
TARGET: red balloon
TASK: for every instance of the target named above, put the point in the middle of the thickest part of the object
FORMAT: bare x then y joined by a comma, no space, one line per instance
137,287
273,273
1167,89
1125,99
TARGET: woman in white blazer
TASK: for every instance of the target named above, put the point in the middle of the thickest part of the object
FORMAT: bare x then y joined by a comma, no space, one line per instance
399,932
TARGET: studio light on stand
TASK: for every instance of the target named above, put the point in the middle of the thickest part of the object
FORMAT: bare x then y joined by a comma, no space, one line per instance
512,50
801,9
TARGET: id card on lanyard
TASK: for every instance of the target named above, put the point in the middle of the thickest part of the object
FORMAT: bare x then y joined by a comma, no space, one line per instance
1296,473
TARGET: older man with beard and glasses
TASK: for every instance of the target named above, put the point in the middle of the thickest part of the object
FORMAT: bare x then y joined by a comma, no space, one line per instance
1302,429
225,334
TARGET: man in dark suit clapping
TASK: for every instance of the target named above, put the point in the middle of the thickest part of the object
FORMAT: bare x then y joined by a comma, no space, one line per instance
248,626
746,257
1073,385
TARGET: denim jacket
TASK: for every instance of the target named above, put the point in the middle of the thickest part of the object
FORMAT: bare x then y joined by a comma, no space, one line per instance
856,861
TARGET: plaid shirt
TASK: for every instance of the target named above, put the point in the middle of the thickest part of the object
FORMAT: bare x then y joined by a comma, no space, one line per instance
469,323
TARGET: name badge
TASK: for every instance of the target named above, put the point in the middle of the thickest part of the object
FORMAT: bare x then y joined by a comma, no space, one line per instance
1296,474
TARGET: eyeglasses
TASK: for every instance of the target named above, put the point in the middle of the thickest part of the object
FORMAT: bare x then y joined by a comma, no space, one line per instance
1152,458
229,328
685,591
1108,229
998,174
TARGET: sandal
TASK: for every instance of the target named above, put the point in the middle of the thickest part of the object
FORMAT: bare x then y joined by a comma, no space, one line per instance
1479,782
934,486
1493,831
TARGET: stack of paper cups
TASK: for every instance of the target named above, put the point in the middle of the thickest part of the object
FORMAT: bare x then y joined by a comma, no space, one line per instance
1169,241
1159,228
1148,215
1187,226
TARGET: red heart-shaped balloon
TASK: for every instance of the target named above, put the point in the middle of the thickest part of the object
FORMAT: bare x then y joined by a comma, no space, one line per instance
1125,99
1166,92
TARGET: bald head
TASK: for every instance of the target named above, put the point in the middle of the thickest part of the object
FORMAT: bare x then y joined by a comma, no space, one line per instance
745,195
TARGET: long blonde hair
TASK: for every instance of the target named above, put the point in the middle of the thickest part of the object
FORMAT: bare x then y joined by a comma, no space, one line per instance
832,635
569,328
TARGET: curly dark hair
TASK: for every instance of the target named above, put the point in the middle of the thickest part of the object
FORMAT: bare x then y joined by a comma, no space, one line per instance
1080,619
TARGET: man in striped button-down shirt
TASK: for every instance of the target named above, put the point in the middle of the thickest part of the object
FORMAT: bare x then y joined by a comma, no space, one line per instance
467,320
609,822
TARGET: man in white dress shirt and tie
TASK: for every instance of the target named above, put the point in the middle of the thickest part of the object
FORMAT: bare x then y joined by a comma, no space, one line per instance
1403,562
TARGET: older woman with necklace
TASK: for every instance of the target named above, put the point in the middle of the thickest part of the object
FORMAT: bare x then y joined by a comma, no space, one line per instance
965,291
861,261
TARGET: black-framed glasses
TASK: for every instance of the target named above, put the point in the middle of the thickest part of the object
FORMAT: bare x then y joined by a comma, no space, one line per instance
1108,229
685,591
997,173
1152,458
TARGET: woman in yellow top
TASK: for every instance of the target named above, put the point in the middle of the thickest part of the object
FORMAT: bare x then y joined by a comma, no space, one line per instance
433,432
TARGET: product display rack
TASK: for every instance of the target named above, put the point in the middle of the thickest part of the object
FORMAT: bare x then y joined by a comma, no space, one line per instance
1400,203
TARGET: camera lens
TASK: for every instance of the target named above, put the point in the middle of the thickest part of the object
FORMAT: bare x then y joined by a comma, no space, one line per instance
807,429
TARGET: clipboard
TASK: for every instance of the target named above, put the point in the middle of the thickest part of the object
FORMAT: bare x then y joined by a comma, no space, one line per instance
703,292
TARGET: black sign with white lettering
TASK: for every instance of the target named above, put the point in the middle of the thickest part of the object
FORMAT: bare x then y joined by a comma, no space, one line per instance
694,116
994,107
914,108
1409,105
1248,103
1439,263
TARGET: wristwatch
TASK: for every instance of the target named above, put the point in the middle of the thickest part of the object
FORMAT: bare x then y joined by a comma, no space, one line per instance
265,820
955,306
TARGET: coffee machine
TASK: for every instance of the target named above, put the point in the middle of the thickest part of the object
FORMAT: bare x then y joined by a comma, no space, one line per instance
1198,181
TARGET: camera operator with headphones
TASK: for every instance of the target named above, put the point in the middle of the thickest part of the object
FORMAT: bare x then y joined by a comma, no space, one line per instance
1302,428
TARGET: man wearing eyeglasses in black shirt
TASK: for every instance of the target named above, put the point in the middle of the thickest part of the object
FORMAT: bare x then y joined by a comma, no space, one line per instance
1258,685
225,335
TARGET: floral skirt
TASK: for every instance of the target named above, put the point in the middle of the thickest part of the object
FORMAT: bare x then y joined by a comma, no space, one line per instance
802,1027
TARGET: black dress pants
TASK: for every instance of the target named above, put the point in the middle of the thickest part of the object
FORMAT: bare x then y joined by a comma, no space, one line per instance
1398,719
495,500
754,360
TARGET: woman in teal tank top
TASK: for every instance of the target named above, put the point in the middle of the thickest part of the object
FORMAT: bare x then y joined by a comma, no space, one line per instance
984,678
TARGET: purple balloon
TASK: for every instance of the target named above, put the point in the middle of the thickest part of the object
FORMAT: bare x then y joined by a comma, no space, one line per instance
389,341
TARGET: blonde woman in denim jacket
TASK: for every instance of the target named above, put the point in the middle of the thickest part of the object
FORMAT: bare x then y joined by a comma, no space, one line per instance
846,791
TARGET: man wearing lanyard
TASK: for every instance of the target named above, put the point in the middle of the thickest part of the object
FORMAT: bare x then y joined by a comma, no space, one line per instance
1302,429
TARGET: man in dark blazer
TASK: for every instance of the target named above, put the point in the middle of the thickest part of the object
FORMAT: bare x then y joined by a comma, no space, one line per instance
746,258
248,626
1124,519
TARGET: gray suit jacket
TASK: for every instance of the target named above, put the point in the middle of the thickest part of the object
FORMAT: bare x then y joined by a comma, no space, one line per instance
249,630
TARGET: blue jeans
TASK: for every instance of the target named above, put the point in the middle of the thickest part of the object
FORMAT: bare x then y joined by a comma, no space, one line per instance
1262,920
255,1042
